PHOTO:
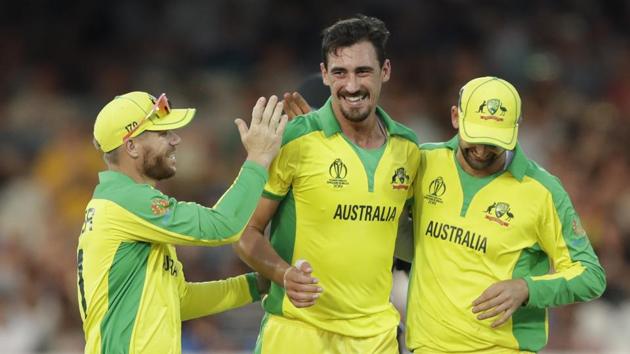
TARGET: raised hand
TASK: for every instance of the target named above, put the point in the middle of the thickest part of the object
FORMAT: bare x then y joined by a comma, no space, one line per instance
300,286
295,105
501,299
262,139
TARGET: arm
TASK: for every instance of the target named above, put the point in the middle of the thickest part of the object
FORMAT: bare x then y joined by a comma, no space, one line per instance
577,275
404,239
256,250
207,298
163,219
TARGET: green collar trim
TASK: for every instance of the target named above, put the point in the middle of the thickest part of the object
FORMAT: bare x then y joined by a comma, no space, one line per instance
330,125
517,167
114,176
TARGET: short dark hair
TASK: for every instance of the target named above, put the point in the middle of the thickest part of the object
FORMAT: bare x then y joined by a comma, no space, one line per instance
345,33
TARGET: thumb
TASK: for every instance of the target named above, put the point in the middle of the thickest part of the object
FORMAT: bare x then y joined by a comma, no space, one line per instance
242,127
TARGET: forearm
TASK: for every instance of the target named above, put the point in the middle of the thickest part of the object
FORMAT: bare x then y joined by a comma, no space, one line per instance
404,239
579,283
206,298
255,250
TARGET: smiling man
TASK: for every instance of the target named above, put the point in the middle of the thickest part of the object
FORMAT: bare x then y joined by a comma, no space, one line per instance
497,239
335,193
131,287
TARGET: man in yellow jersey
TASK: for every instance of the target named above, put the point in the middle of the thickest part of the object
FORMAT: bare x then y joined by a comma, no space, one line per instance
335,193
131,287
496,238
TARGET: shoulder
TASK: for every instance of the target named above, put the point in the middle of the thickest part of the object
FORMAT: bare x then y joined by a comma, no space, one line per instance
301,126
404,132
139,199
548,182
433,146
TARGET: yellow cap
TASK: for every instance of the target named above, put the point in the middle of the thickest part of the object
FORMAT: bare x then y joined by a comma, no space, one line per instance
125,112
489,112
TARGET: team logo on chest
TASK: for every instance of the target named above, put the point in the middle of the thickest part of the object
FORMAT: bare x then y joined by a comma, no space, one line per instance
500,213
437,188
337,172
400,179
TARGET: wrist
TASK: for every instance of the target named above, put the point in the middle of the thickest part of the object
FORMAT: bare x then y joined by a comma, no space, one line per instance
259,159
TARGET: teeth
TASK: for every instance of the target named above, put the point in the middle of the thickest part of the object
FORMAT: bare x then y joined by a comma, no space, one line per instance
354,99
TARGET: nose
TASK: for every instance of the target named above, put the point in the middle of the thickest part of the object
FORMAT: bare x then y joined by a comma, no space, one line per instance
352,84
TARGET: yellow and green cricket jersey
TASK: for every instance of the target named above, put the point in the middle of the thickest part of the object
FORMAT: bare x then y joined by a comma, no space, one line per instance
339,210
131,287
470,233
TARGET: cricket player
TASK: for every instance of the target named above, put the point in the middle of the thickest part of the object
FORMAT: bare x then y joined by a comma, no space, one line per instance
131,287
497,240
335,193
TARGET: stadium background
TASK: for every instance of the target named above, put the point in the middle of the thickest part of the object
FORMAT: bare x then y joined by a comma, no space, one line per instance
62,61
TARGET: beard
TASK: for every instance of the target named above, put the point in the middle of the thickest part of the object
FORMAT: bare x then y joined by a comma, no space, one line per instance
476,164
355,114
157,167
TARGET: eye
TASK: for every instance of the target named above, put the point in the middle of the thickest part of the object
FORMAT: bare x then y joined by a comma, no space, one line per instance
163,133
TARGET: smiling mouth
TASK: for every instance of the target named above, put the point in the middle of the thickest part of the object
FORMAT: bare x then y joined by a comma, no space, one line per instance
355,99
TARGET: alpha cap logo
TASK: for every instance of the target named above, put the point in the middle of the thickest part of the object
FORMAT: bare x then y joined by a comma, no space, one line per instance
437,188
493,106
338,172
500,213
400,179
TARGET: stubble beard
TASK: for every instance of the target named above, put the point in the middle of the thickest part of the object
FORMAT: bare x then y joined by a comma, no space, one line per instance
157,168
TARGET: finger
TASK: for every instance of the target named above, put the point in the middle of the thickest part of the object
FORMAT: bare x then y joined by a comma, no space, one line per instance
301,278
487,304
257,111
302,288
493,312
269,109
292,108
302,304
487,294
304,106
282,125
501,320
242,127
303,265
300,296
277,113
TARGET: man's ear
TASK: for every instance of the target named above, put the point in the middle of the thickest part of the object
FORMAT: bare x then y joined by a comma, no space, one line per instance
324,72
132,148
455,117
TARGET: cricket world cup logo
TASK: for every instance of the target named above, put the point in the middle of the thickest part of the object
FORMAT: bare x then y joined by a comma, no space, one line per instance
437,188
337,172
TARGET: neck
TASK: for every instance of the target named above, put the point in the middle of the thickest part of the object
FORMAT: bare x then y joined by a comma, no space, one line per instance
132,172
369,133
495,167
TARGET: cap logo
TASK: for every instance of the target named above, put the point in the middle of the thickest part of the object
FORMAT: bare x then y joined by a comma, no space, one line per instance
493,106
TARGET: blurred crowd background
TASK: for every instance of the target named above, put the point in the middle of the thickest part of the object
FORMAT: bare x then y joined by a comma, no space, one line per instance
61,61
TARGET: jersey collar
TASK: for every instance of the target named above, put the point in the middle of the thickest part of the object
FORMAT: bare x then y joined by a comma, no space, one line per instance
517,167
114,177
330,125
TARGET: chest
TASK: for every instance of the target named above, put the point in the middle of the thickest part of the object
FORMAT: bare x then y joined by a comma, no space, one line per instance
494,221
332,169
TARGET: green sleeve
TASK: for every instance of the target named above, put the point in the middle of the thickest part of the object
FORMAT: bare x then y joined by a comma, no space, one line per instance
159,218
578,275
207,298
